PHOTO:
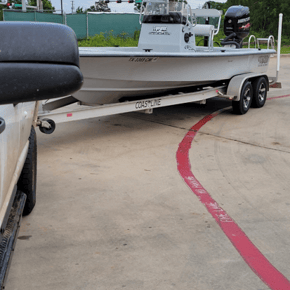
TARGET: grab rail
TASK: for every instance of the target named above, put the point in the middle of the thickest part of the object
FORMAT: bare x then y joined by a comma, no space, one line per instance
249,44
189,13
140,15
268,40
218,28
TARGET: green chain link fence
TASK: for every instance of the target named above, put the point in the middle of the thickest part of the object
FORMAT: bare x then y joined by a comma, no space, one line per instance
116,22
78,22
84,25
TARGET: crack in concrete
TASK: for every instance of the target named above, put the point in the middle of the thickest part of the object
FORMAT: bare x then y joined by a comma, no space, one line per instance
208,134
244,142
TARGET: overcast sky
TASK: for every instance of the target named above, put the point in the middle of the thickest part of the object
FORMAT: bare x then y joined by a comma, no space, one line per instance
123,7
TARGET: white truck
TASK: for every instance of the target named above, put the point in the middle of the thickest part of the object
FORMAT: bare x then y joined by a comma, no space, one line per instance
37,61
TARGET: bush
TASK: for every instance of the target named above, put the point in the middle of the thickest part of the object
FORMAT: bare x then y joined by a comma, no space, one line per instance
111,40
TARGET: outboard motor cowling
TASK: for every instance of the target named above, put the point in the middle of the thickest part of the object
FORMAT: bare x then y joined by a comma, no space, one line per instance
236,25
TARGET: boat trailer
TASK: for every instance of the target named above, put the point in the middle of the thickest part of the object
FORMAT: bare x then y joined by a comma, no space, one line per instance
244,90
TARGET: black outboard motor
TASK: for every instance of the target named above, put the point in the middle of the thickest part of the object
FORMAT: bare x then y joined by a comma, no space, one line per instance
236,26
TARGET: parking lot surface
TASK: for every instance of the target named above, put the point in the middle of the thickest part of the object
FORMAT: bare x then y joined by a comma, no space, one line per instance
113,211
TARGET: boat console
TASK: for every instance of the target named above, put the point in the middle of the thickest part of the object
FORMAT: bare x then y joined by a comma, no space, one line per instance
170,26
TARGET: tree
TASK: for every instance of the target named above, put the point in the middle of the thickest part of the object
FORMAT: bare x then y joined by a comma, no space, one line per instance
92,8
101,6
46,4
1,12
80,10
265,15
6,7
217,5
137,6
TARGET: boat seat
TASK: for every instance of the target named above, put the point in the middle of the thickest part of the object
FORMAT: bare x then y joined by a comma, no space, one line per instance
205,30
209,13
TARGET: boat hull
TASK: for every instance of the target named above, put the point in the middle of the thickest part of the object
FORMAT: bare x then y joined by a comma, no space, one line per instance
110,77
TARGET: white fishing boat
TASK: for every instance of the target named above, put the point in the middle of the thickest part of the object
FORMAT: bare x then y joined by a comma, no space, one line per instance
167,57
169,68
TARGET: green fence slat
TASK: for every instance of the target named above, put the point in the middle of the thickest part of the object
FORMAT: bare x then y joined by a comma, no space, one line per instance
49,17
117,23
78,22
97,23
18,16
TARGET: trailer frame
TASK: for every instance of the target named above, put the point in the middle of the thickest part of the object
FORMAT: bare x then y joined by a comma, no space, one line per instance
48,117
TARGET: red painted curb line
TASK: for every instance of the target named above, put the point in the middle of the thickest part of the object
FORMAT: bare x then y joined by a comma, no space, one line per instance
273,98
249,252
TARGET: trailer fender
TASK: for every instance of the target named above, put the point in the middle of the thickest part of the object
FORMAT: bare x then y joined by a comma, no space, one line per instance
236,84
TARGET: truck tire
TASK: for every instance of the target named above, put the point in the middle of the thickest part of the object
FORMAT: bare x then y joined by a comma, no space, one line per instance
27,179
259,92
243,105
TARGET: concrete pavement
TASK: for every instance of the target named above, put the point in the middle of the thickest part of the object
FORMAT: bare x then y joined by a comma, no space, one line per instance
113,212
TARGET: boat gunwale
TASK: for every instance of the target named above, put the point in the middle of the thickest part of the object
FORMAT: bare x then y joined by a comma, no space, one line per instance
176,54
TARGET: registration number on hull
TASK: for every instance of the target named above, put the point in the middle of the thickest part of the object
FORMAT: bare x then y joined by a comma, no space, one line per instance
143,59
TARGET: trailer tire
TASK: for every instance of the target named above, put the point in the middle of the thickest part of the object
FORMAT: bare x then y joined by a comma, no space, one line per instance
27,179
259,92
243,105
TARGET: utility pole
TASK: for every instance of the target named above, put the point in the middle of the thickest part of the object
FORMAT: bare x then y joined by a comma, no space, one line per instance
72,7
61,7
23,5
39,5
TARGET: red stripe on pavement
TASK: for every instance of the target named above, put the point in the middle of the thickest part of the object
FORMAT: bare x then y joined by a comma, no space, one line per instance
279,97
249,252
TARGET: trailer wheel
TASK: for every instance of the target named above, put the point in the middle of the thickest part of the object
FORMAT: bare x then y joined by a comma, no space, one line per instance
259,92
243,105
27,179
